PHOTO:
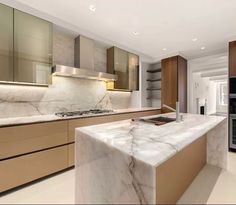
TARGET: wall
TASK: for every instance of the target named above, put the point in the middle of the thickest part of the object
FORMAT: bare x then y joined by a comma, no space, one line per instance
220,108
207,63
204,89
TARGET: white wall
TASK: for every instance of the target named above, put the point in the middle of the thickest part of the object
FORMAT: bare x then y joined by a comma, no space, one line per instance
204,89
207,63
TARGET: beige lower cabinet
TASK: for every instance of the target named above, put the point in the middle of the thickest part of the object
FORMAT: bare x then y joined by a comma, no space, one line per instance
20,170
30,152
71,155
19,140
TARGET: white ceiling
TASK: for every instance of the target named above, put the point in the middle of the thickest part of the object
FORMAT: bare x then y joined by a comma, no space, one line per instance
169,24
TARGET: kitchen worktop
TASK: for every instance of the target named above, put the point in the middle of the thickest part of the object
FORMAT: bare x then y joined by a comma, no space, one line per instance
6,122
119,162
150,143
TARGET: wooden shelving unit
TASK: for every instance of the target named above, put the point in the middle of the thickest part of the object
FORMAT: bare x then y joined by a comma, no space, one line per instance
154,80
154,70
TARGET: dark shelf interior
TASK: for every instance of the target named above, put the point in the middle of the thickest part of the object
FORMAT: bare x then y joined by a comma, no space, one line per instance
154,80
154,71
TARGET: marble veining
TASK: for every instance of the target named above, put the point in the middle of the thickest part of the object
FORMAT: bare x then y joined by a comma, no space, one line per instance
65,94
150,143
116,162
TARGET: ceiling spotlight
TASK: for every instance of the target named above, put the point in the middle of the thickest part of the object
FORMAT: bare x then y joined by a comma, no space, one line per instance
164,49
203,48
135,33
194,39
92,8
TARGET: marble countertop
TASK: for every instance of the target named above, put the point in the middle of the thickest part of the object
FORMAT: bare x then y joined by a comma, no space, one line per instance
150,143
6,122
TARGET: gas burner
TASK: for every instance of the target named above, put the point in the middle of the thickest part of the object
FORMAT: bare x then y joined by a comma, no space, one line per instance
83,112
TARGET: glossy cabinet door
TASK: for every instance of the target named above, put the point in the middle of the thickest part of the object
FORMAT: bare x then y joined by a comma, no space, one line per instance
6,43
121,69
32,49
133,72
126,66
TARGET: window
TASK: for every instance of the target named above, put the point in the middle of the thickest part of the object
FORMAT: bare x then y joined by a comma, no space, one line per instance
223,94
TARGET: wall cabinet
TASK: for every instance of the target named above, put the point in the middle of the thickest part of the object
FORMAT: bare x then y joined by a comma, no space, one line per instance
174,82
232,59
126,66
30,59
6,43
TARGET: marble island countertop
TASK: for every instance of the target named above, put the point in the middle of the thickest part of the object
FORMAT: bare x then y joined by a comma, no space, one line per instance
6,122
150,143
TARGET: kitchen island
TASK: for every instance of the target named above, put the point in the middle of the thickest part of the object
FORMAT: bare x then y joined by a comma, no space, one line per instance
134,162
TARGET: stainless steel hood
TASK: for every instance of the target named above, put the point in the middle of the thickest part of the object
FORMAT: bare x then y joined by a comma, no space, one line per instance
67,71
84,63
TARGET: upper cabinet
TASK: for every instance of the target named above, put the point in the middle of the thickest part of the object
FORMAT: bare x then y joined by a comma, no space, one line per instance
174,82
25,47
32,49
6,43
232,59
126,66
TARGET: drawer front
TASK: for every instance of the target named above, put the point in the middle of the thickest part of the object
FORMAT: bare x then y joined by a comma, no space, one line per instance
28,138
71,155
104,119
20,170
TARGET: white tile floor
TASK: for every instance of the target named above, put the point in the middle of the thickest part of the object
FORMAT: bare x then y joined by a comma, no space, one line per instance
211,186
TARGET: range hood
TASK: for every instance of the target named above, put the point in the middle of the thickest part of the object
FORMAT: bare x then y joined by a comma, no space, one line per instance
67,71
84,63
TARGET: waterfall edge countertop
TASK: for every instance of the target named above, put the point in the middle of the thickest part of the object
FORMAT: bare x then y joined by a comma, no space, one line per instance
135,162
14,121
150,143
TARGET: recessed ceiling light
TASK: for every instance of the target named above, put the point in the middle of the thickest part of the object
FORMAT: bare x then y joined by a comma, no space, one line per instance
164,49
194,39
135,33
92,8
203,48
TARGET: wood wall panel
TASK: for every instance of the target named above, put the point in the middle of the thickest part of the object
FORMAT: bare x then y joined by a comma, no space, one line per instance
182,84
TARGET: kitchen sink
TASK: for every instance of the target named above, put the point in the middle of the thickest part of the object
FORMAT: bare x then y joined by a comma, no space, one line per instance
159,120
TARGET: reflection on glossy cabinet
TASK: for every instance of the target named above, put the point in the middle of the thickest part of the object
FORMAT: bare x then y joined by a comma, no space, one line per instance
126,66
6,43
32,49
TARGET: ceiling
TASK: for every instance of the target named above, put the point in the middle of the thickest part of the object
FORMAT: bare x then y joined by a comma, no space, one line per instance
161,24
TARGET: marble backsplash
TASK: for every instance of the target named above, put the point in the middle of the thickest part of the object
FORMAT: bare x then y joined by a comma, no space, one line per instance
65,94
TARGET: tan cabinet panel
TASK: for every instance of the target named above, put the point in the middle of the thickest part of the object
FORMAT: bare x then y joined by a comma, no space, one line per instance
20,170
104,119
24,139
71,155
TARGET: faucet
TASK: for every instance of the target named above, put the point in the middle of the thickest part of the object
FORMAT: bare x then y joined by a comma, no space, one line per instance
178,118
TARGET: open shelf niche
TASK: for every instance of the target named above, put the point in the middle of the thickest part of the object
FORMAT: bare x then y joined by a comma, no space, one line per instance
154,84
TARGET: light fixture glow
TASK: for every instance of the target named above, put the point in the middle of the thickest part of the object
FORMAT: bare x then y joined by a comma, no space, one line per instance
135,33
92,8
164,49
203,48
194,39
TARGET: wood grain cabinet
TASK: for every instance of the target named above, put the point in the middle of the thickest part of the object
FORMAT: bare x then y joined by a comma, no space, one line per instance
232,59
174,82
30,152
20,140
